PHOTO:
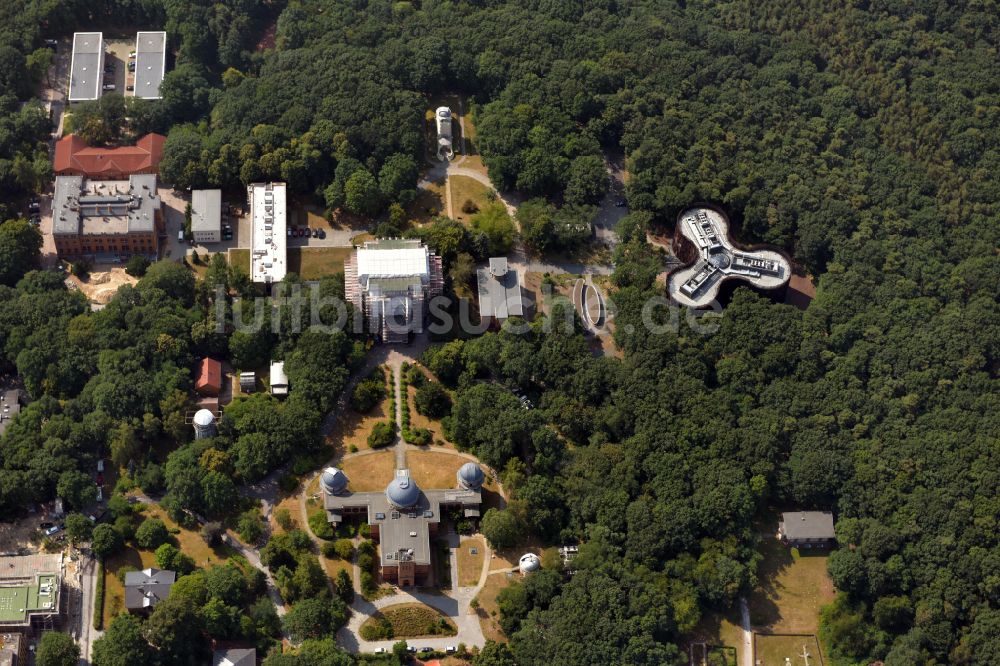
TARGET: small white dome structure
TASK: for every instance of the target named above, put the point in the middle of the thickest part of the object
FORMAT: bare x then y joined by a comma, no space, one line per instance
333,481
402,492
470,476
529,562
204,424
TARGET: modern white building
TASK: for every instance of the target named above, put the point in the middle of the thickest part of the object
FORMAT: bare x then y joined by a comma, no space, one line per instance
206,216
442,118
718,259
86,69
268,247
390,281
279,380
150,64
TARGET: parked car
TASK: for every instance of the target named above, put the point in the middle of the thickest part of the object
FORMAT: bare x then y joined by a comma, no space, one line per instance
51,42
52,530
34,206
110,86
621,203
100,465
322,234
131,66
426,649
315,233
450,649
129,87
380,650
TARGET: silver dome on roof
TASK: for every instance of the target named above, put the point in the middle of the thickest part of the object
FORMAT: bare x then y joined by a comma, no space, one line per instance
402,492
470,476
333,481
204,417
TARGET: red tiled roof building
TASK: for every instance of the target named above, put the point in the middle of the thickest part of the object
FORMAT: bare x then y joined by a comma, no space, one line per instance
209,380
74,157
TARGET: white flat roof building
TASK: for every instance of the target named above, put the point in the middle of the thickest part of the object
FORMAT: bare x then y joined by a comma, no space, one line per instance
279,380
268,247
206,216
150,64
719,260
86,69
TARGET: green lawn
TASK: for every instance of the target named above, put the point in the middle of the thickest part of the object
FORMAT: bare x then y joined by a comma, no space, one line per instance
793,587
312,263
774,650
410,621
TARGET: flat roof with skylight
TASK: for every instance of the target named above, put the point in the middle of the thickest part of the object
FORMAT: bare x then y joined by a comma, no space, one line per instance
268,253
150,63
86,66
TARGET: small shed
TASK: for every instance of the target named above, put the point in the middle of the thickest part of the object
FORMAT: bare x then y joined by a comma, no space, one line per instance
209,380
248,382
807,529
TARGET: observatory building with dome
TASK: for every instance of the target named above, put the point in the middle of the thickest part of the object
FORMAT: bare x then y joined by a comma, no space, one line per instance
403,518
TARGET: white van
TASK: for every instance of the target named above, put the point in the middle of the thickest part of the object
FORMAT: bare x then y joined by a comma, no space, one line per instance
180,236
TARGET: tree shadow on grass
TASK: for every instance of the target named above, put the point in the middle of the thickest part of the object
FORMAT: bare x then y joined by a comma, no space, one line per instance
764,610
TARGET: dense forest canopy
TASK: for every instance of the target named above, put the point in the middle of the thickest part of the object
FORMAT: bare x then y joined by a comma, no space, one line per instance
861,136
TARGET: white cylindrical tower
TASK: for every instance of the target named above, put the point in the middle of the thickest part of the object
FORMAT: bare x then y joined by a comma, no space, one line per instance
204,424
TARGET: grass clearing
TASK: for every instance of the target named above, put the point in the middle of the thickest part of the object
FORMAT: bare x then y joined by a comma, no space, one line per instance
428,204
431,469
793,587
114,591
335,566
465,189
718,630
370,472
772,650
190,542
352,429
240,257
411,621
470,566
488,611
312,263
291,503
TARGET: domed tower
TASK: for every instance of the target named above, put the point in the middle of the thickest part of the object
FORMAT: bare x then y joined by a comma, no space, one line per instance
470,476
402,492
204,424
333,481
529,562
